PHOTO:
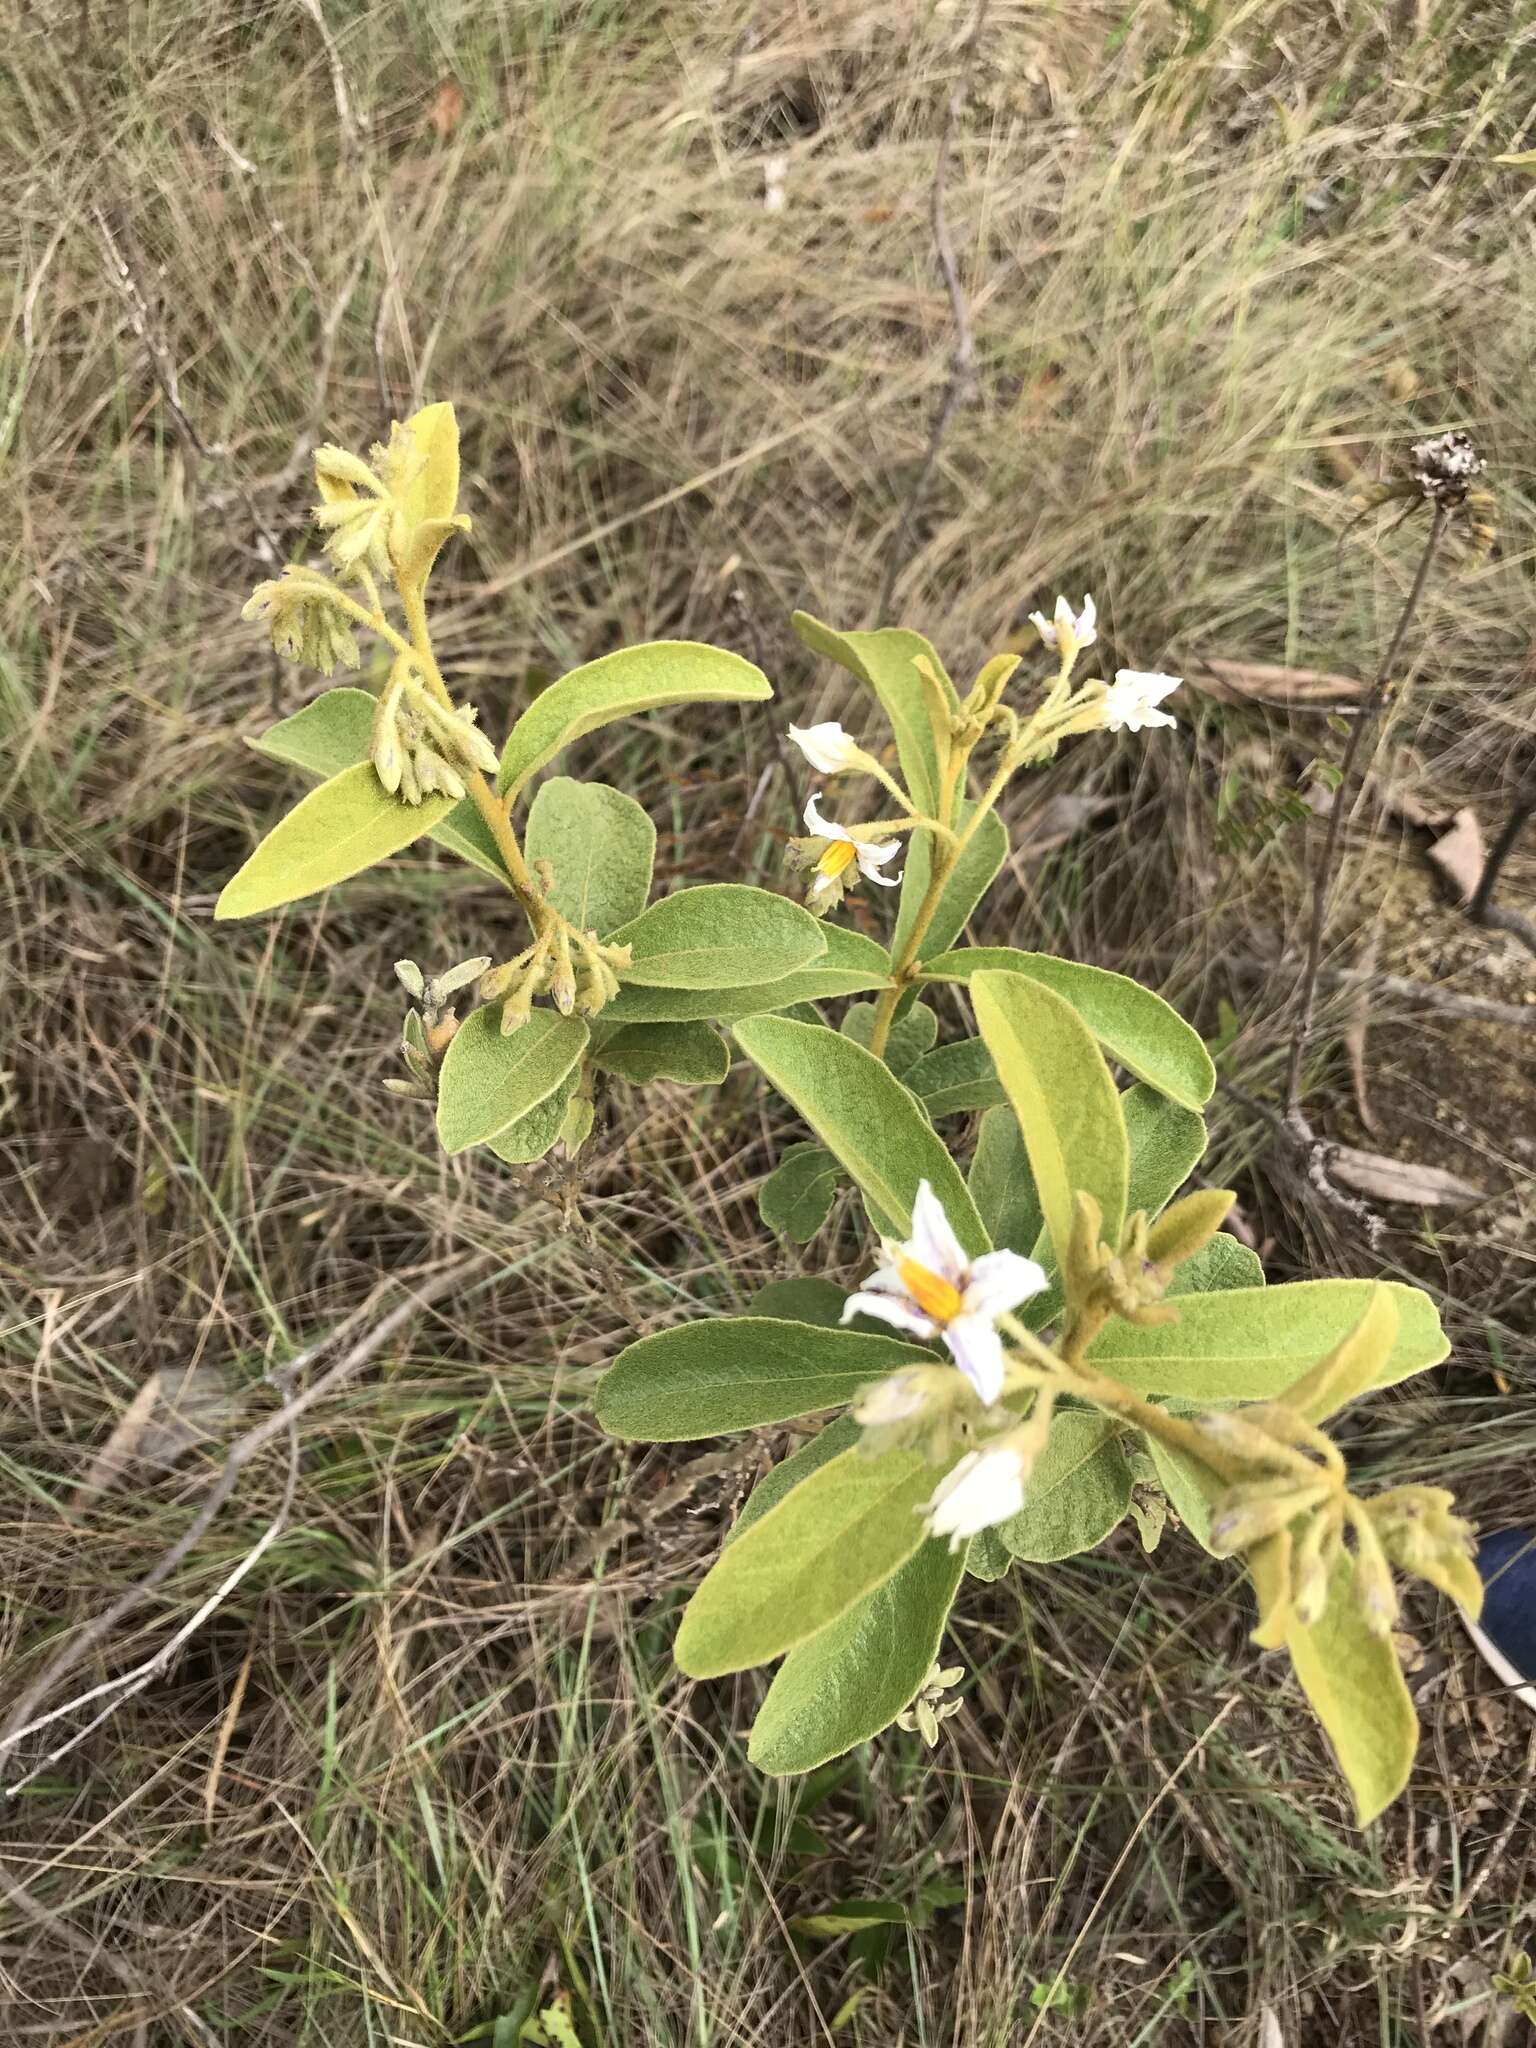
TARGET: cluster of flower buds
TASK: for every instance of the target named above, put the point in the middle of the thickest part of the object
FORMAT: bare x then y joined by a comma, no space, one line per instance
574,969
370,511
931,1706
1132,1280
430,1026
304,621
420,747
1446,466
1299,1523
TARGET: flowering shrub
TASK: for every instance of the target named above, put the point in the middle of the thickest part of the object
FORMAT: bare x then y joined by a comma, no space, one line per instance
1050,1324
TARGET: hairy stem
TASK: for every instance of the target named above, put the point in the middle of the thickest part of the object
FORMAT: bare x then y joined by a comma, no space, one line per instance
1323,882
490,806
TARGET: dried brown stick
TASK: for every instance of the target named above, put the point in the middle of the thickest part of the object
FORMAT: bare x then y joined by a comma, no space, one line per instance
963,356
1323,881
20,1722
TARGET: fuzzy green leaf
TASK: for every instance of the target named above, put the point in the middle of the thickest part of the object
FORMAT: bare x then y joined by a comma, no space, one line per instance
804,1298
1146,1035
491,1079
829,1442
346,825
909,1037
832,1539
624,685
863,1114
1217,1268
722,936
954,1077
850,965
333,732
601,846
739,1372
532,1135
883,661
973,877
857,1675
1079,1490
797,1196
1002,1184
1251,1343
1167,1142
690,1053
1062,1095
1357,1690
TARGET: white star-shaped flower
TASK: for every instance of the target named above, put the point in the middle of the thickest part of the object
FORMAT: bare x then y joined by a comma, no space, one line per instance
843,849
829,749
1070,630
1131,701
931,1288
985,1488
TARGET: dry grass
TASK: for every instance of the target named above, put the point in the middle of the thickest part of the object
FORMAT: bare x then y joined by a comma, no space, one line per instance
432,1752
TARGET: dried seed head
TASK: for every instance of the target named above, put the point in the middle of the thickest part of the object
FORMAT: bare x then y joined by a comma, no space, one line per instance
1446,466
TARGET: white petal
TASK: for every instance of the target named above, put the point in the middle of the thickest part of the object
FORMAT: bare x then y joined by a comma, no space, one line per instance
824,828
1043,627
1065,616
1000,1281
1087,621
872,857
933,1244
986,1487
888,1308
978,1351
886,1280
827,747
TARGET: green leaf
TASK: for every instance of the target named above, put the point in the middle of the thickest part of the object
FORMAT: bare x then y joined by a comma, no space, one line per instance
722,936
986,1557
1079,1490
1003,1186
857,1675
883,661
850,964
839,1435
909,1037
803,1299
973,877
490,1079
1357,1690
1148,1037
1062,1095
797,1196
1167,1142
832,1539
863,1114
955,1077
1353,1366
346,825
333,732
690,1053
1217,1268
1192,1489
851,1916
624,685
1251,1343
739,1372
601,846
531,1136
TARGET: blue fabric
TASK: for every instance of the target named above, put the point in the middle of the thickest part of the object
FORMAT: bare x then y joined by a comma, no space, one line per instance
1507,1565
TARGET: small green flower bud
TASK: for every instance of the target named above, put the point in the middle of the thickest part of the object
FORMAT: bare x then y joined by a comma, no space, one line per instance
1185,1227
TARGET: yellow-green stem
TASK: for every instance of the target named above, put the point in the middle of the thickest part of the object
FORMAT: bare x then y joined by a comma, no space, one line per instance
486,801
